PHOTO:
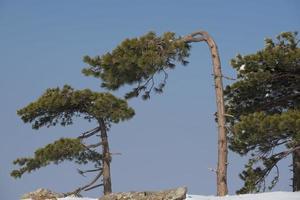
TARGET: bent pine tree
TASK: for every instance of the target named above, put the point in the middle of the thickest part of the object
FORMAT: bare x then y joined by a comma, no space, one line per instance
143,61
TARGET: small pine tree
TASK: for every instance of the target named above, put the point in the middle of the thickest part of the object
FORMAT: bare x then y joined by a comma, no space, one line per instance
264,104
59,107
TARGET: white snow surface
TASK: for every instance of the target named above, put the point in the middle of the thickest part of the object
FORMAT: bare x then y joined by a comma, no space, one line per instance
258,196
71,198
76,198
242,68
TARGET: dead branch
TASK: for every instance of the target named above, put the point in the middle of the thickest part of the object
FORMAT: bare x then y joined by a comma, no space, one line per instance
81,172
95,186
89,133
94,145
78,190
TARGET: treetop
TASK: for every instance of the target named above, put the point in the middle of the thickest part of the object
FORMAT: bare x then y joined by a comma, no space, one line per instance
268,80
61,105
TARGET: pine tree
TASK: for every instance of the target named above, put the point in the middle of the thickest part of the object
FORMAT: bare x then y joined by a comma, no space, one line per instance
137,61
144,60
264,109
59,107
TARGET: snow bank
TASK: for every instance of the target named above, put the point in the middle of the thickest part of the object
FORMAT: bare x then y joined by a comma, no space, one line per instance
258,196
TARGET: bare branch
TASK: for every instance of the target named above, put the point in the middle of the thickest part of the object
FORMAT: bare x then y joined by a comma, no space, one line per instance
95,186
229,78
94,145
286,153
78,190
81,172
89,133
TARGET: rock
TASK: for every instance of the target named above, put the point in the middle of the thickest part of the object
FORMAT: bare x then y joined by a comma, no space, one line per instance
172,194
42,194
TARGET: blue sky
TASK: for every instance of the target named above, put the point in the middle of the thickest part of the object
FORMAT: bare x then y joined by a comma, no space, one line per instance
172,140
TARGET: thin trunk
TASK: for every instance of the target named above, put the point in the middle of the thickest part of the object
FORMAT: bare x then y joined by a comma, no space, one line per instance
222,138
106,159
296,170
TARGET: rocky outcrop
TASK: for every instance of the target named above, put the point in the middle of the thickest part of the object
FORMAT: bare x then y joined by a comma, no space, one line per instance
42,194
172,194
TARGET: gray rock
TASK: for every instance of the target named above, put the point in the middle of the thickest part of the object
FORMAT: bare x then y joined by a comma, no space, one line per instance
41,194
172,194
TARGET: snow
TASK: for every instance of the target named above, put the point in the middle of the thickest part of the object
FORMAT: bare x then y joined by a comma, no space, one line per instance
242,67
76,198
258,196
71,198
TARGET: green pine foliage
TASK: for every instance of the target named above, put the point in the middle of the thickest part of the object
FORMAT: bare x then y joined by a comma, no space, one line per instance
64,149
136,61
264,105
61,105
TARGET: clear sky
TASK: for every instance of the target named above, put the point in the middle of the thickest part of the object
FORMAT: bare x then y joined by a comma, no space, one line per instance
172,140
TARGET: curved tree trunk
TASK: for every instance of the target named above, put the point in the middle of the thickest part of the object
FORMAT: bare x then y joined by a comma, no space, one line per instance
222,138
296,170
106,159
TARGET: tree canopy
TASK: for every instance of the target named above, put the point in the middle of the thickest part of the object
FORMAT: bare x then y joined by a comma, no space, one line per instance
264,109
137,61
59,107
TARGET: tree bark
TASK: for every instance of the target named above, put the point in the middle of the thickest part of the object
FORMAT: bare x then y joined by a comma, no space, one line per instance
222,189
106,159
296,170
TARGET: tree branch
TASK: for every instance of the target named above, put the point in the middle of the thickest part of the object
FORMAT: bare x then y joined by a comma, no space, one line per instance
95,186
198,36
92,152
89,133
78,190
94,145
81,172
284,154
277,158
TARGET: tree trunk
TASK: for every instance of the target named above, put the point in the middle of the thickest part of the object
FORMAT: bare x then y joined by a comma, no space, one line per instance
222,189
222,138
106,159
296,170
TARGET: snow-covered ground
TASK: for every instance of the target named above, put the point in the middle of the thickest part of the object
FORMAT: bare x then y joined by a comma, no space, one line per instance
260,196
